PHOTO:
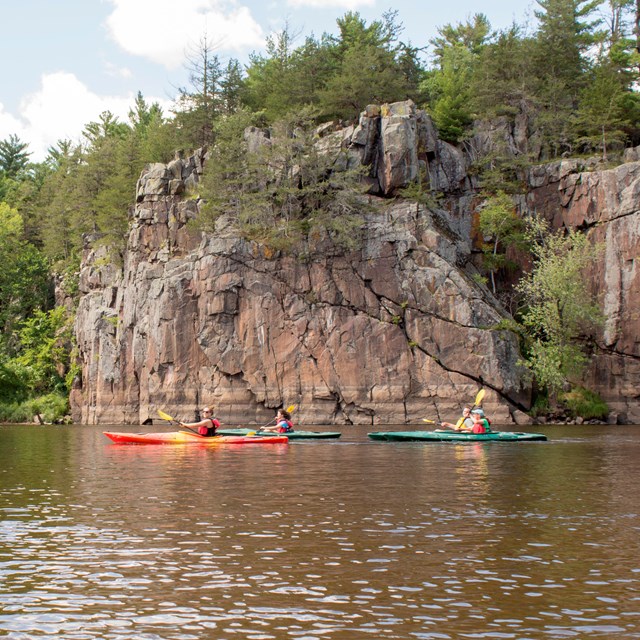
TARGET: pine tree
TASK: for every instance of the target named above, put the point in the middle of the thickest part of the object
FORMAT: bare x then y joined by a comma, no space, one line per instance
13,156
563,39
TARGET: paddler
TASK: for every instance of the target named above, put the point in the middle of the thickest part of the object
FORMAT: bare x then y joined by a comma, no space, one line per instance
465,422
283,423
205,427
480,422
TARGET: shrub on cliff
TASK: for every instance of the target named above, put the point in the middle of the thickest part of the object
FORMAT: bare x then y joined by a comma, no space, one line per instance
278,187
560,317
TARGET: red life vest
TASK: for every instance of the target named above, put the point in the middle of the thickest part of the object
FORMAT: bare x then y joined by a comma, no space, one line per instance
209,431
285,426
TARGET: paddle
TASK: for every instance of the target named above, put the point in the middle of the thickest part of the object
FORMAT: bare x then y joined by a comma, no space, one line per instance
290,409
476,403
168,418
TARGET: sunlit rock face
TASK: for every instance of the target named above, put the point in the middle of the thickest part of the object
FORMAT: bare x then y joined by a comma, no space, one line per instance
394,332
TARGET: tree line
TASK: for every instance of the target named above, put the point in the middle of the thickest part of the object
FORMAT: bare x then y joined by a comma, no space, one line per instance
573,78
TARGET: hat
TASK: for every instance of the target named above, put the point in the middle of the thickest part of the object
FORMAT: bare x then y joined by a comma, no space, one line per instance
480,412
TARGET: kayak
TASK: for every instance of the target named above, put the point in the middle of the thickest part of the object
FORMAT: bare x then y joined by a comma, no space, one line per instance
456,436
187,437
292,435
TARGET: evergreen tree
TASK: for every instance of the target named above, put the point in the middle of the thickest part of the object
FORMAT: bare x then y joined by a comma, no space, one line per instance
449,93
199,105
448,85
13,156
563,39
371,66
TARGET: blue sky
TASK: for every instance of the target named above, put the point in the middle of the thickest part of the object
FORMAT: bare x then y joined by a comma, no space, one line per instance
67,61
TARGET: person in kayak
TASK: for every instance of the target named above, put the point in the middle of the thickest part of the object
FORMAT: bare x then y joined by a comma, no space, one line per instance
480,422
205,427
465,422
283,423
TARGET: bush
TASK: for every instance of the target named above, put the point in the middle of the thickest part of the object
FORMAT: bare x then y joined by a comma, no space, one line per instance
584,403
52,408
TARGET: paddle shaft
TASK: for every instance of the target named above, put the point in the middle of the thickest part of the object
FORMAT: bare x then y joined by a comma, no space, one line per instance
168,418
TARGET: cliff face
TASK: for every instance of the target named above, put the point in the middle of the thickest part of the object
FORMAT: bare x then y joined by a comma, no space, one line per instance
393,333
606,204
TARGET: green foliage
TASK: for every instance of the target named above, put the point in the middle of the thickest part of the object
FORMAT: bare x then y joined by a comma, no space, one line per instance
501,229
24,277
50,408
277,187
449,91
44,355
560,316
584,403
13,156
564,37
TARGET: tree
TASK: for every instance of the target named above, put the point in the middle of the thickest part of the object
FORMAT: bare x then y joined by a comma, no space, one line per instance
24,277
448,84
371,66
473,35
563,39
199,105
502,228
276,187
13,156
449,92
560,316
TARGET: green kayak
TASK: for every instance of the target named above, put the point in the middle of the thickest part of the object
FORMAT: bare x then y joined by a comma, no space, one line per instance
292,435
456,436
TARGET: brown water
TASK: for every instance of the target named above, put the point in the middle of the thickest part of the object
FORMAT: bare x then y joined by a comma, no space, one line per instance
346,539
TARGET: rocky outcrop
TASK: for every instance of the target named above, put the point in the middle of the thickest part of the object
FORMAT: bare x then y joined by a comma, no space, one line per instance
392,333
395,332
605,203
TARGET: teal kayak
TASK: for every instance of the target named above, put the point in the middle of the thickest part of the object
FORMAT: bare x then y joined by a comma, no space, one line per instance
292,435
455,436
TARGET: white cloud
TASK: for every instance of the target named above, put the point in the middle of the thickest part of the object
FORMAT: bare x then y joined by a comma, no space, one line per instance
347,5
162,30
10,125
61,109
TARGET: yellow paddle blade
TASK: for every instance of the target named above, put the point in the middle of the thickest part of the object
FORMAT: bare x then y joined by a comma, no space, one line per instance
291,408
428,421
165,416
251,433
479,397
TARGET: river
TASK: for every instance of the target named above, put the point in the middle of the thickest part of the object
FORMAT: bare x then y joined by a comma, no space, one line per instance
343,540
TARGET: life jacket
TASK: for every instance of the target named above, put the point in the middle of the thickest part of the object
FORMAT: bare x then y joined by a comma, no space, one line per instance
285,426
461,422
481,427
209,431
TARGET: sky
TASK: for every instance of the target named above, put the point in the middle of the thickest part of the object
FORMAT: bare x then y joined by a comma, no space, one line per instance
64,62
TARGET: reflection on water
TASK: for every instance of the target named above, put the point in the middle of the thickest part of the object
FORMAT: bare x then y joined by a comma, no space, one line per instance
330,539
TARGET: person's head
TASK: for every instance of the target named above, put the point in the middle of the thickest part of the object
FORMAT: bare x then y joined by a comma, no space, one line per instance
477,415
466,411
206,412
284,414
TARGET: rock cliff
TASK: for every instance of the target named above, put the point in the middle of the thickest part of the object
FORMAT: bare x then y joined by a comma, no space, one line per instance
395,332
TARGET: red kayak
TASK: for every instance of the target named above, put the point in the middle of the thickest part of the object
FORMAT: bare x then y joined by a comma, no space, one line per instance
187,437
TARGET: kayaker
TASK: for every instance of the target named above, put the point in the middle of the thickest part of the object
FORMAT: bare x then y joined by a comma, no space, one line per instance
205,427
480,422
465,422
283,423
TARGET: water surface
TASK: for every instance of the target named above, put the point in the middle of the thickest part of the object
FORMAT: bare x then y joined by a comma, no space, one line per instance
345,539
